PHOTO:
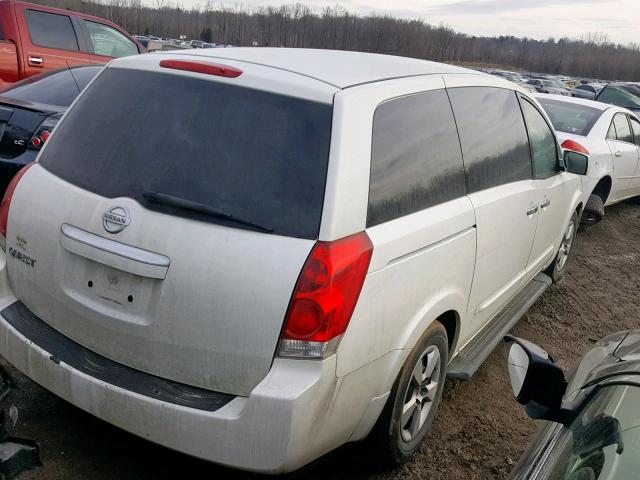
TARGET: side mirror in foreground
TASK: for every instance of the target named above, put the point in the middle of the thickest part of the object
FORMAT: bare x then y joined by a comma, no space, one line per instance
537,382
576,162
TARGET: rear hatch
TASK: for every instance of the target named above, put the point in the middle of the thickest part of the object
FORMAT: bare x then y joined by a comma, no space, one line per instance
170,217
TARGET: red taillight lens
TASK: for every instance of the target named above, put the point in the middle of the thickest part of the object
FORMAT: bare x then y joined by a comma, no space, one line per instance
44,131
6,200
325,296
208,68
574,147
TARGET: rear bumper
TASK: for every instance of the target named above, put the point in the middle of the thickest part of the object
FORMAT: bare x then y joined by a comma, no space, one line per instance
297,413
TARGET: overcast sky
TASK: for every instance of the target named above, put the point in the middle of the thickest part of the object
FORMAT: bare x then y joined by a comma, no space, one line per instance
619,19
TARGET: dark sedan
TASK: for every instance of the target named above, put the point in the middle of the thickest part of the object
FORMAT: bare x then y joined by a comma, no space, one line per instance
594,418
621,94
30,109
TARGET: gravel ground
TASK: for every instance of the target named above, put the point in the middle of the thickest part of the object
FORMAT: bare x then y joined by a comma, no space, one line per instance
479,432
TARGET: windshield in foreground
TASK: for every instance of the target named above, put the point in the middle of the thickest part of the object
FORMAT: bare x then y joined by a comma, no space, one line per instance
603,443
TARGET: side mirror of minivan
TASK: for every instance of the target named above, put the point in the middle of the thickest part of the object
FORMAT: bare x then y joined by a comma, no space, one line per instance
576,162
537,382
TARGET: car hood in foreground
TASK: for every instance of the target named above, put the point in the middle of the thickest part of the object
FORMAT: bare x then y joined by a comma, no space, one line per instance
615,354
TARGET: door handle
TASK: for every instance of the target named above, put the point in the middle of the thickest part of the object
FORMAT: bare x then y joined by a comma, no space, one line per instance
618,153
35,61
532,211
545,204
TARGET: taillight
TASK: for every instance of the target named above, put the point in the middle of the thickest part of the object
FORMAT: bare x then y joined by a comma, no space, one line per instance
6,203
208,68
44,131
574,147
325,296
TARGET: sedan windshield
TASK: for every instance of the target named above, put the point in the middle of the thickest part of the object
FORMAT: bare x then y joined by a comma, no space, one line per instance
571,117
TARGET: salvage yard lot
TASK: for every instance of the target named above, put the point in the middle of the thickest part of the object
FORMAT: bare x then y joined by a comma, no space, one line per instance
479,432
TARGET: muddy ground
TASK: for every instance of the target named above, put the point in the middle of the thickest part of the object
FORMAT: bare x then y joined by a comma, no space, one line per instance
479,432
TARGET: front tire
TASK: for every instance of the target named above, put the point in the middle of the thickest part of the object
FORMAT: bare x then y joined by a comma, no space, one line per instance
558,268
414,399
593,211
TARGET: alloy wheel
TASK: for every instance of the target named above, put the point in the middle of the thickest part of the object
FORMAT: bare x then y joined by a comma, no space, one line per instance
565,247
420,393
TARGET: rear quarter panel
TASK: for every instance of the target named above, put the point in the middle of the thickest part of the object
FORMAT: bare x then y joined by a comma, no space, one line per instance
422,264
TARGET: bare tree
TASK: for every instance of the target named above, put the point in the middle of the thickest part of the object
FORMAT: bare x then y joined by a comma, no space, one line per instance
296,25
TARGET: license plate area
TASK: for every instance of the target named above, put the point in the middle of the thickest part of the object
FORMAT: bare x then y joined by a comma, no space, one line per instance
112,285
110,293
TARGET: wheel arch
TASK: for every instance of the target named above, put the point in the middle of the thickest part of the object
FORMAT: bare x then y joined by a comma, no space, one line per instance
603,188
451,322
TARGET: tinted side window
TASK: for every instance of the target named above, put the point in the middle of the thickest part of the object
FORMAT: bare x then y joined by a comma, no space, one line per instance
611,134
415,158
635,126
494,140
543,142
51,30
622,128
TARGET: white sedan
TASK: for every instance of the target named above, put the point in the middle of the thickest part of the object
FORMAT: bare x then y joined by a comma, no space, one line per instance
610,137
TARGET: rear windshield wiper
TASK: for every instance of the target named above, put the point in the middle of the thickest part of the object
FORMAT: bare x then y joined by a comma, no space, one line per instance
183,203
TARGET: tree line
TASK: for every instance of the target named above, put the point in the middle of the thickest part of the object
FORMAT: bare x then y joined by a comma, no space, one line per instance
593,56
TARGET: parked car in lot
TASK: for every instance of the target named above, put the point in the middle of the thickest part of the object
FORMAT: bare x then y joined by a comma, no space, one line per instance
549,85
511,76
610,137
30,109
581,92
36,39
621,94
296,260
142,40
594,428
515,78
586,90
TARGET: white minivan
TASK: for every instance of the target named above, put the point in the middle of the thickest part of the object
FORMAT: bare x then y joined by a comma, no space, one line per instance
254,255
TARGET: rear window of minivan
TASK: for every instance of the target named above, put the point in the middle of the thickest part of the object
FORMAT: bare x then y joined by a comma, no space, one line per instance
259,156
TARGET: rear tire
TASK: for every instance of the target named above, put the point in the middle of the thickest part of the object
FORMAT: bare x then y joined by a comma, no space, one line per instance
414,400
593,211
558,268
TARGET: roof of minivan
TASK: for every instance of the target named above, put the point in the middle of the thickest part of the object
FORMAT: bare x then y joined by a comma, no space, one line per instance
341,69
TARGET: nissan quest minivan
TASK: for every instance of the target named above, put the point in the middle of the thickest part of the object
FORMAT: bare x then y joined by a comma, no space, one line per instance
254,256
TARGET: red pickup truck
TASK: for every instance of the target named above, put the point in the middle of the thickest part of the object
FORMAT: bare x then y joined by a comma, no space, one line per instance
35,39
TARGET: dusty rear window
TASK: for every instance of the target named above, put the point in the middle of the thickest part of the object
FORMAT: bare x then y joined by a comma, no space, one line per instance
571,117
259,156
